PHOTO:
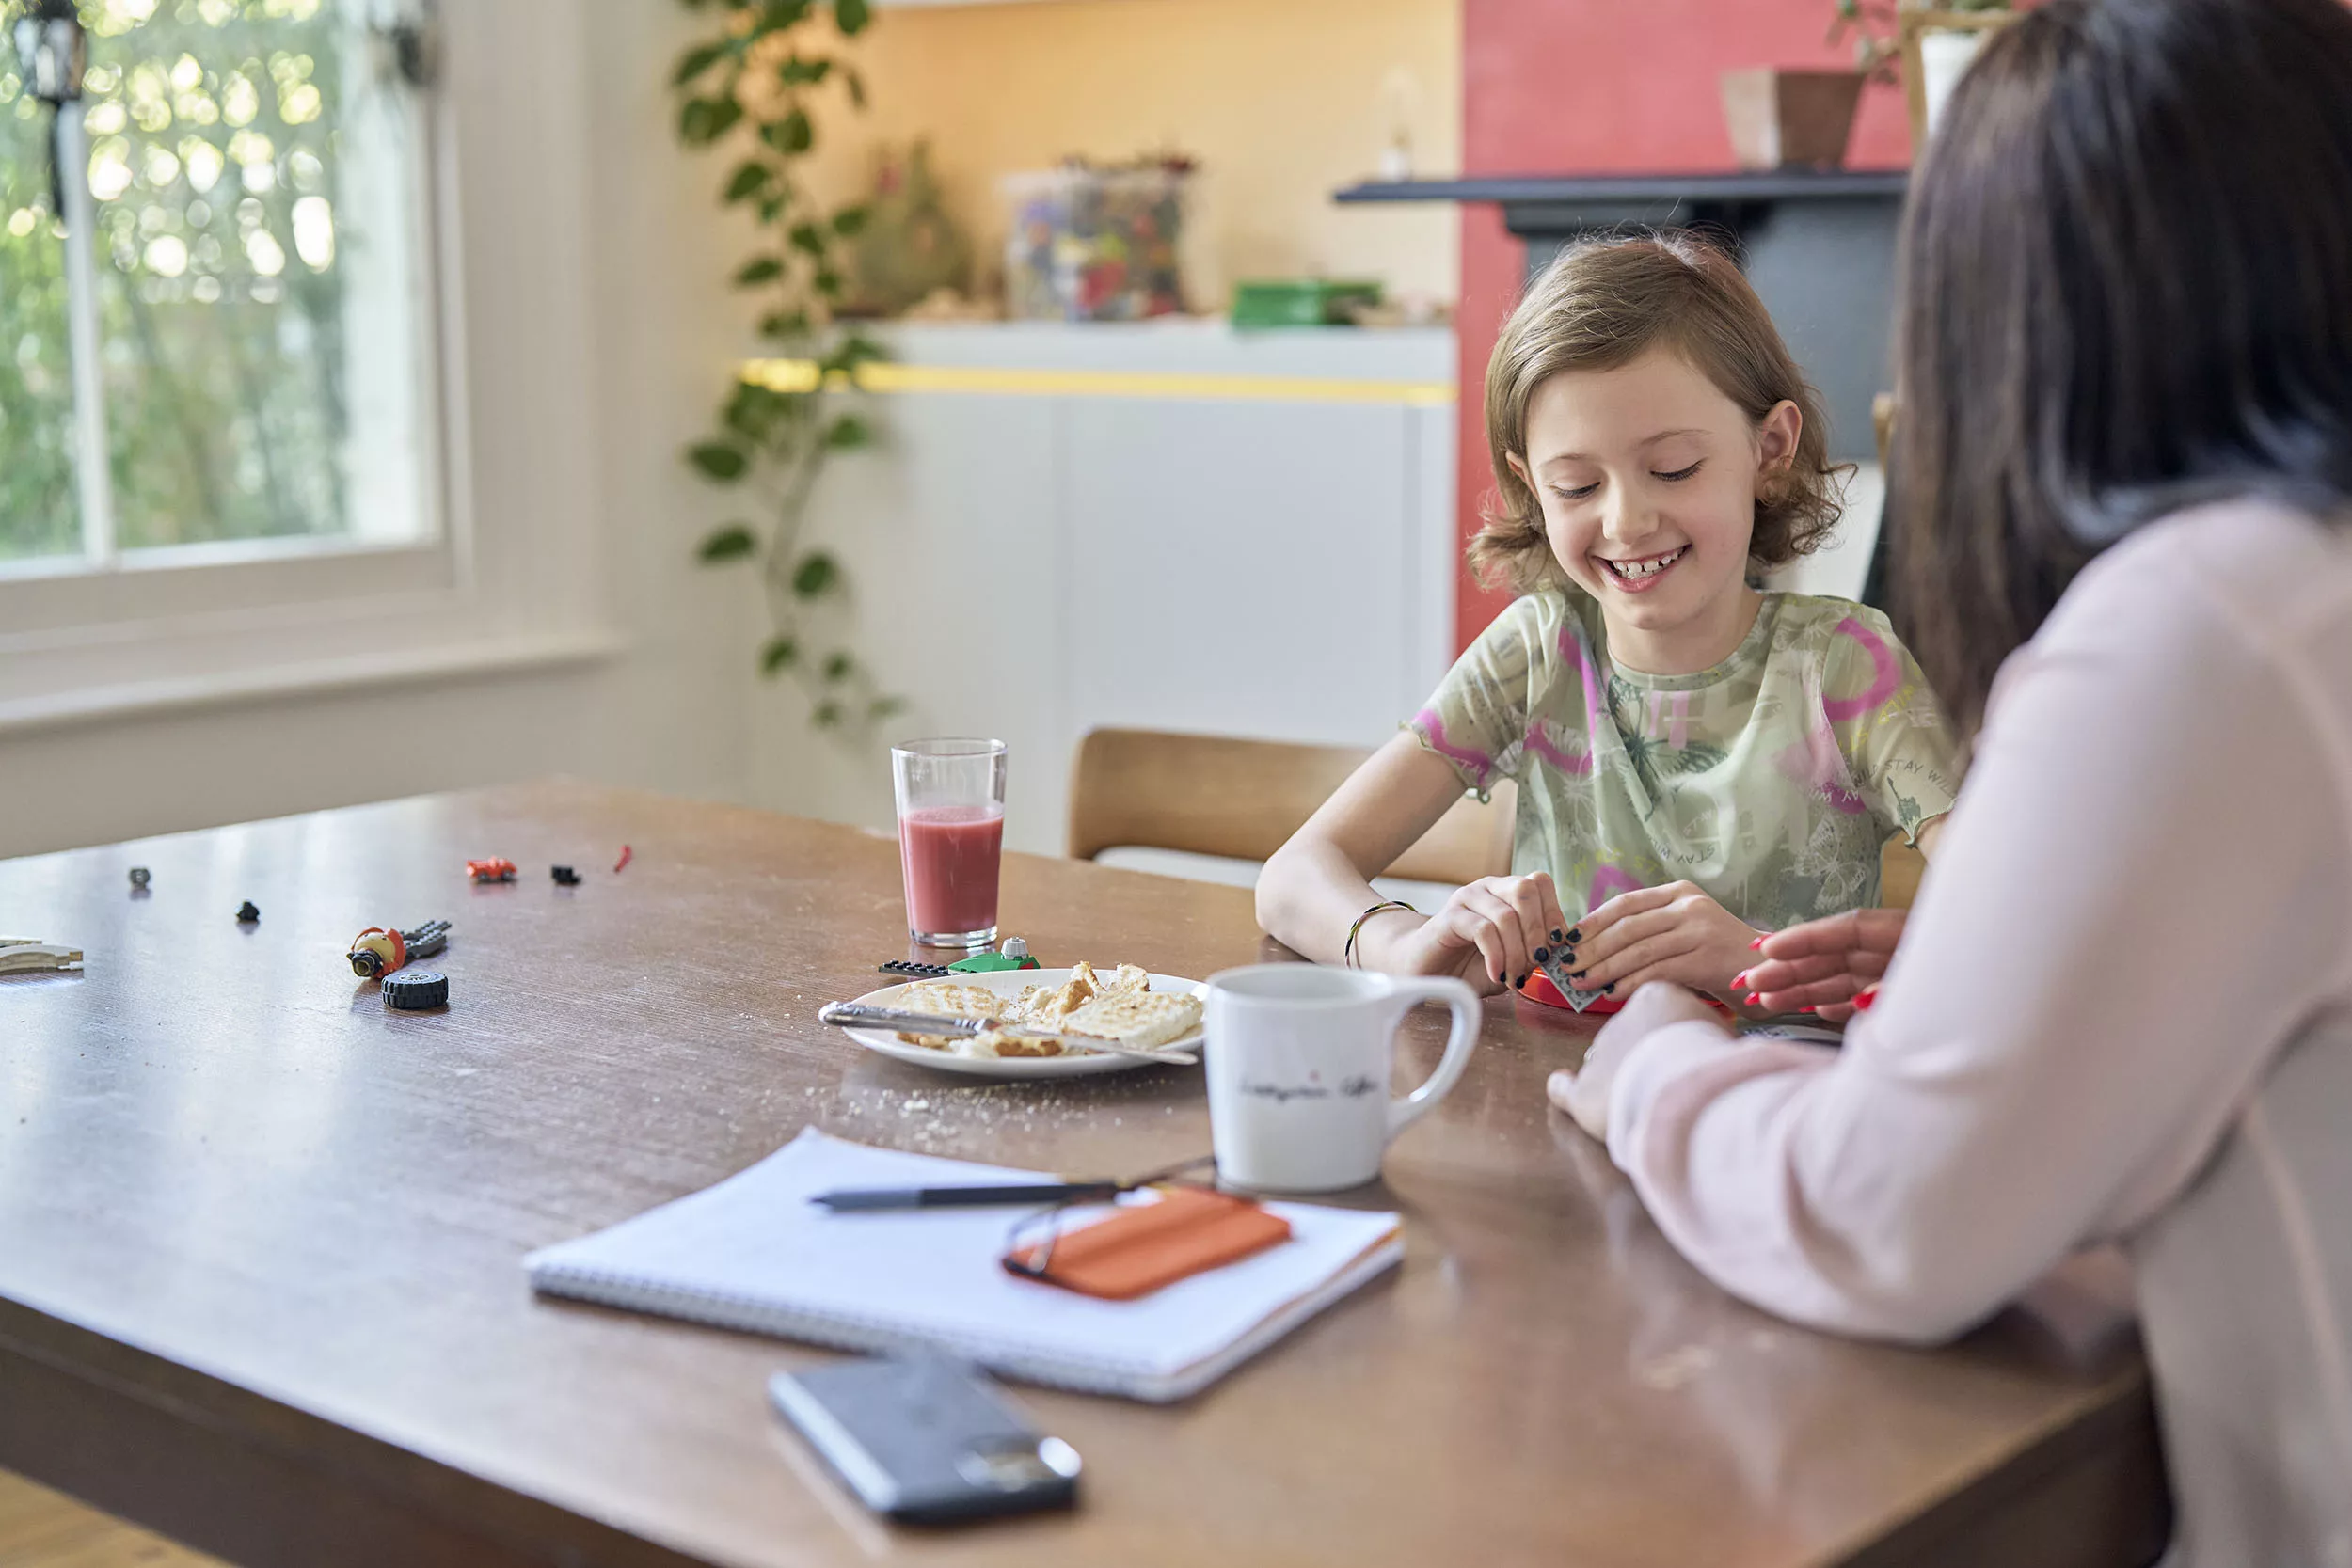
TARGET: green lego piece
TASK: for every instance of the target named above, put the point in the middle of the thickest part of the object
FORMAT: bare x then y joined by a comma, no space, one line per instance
990,963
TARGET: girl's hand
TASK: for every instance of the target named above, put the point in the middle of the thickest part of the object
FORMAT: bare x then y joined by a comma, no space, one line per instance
1488,933
1676,932
1822,965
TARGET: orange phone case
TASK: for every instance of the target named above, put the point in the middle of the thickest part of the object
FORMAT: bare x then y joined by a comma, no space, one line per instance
1141,1248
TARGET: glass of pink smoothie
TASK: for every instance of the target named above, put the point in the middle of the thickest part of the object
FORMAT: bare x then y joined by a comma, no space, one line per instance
951,835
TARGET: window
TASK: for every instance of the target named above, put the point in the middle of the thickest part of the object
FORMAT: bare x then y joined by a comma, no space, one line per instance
221,347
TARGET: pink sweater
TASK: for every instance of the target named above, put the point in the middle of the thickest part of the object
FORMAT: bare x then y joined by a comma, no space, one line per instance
2143,898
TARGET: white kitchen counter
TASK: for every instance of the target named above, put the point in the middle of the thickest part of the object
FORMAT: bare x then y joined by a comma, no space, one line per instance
1262,545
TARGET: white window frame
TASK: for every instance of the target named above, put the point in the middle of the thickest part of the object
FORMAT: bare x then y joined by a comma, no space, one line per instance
508,574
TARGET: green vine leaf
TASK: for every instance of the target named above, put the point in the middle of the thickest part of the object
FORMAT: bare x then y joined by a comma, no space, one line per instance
765,270
828,715
856,84
784,324
815,574
747,180
849,433
781,14
780,651
791,135
731,543
838,665
807,237
695,61
848,220
854,350
797,72
719,460
703,121
827,282
884,708
852,16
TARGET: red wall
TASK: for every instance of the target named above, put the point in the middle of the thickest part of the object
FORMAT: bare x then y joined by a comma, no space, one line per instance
1607,86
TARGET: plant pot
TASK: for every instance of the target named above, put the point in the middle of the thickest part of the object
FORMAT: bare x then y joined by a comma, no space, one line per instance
1944,59
1784,119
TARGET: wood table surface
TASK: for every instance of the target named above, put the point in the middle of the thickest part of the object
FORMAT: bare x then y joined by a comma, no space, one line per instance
261,1243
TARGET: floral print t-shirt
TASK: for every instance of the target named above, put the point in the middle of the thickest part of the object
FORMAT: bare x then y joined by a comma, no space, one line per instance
1771,780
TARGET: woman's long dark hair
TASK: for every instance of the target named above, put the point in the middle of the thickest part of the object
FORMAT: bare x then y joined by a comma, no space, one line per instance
2127,287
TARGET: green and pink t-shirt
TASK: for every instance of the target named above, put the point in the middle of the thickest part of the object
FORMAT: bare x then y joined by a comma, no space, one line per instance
1771,780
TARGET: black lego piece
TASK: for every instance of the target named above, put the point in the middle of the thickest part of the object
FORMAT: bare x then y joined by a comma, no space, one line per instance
141,876
565,875
415,989
919,971
247,914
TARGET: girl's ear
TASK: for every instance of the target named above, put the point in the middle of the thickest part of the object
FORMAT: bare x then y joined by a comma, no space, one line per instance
1518,467
1776,435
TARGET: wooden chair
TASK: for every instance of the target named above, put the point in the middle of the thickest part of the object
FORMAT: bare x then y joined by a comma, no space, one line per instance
1212,795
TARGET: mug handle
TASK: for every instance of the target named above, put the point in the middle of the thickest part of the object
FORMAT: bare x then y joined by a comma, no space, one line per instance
1467,1015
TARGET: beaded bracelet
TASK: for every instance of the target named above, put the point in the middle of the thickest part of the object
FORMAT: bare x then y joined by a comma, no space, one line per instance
1348,955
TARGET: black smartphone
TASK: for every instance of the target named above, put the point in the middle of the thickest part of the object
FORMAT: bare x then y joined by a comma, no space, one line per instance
926,1439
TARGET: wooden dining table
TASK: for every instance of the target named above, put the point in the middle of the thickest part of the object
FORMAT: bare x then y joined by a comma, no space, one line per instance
262,1241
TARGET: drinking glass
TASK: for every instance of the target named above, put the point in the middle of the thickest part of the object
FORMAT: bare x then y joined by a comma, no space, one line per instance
951,837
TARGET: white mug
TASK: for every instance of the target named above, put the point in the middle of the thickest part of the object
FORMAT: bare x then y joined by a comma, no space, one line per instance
1298,1059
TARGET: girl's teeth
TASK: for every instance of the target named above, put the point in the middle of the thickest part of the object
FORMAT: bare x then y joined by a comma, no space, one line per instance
1645,568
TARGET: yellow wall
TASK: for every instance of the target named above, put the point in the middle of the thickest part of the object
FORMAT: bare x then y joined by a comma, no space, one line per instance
1282,102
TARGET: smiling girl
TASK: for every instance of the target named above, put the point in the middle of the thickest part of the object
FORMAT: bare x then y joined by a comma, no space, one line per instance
1698,761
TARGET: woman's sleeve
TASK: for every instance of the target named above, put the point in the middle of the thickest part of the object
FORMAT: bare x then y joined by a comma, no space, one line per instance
2143,894
1905,759
1477,717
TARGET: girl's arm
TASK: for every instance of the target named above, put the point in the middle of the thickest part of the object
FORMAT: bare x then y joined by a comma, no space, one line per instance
1316,885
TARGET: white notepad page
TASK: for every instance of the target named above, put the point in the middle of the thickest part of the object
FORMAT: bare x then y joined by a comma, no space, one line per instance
753,1252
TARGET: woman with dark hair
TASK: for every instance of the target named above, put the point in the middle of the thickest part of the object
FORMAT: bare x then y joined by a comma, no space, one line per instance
2122,1006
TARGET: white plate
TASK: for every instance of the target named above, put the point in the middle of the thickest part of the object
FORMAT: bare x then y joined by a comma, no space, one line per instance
1012,982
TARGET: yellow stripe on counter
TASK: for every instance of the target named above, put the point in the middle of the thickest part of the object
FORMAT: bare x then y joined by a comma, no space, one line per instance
800,375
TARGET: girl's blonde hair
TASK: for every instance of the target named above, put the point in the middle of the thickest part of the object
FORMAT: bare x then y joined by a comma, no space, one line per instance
1604,304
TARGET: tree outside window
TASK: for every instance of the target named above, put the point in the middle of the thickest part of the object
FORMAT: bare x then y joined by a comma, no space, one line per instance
257,250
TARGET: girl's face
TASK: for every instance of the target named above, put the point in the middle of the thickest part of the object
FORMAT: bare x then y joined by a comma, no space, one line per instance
1648,478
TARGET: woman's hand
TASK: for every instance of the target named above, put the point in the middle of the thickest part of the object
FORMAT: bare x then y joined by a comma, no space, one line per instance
1820,967
1489,931
1676,932
1584,1093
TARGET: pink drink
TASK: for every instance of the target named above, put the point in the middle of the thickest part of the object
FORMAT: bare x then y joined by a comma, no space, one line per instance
949,857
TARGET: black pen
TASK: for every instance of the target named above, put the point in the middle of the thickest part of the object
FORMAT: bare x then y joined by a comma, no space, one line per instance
869,1199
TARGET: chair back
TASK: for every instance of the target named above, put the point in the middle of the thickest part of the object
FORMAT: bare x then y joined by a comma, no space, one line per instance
1219,795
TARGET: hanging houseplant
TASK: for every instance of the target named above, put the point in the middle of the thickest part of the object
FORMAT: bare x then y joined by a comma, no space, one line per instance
754,86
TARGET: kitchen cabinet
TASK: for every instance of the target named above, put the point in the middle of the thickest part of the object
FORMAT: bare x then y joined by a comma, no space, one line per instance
1162,524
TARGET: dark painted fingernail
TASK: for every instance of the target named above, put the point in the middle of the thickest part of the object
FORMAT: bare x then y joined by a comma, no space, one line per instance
1576,934
1543,954
1558,935
1610,986
1521,982
1575,974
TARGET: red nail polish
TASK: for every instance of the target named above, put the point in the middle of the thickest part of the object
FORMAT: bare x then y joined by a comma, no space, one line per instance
1808,1010
1757,946
1863,999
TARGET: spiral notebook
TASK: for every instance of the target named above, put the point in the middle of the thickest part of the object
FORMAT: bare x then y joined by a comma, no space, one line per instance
754,1253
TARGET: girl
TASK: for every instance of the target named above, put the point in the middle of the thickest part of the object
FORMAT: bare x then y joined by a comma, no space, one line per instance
1695,760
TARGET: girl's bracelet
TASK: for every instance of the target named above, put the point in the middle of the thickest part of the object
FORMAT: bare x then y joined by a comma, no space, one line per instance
1348,955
